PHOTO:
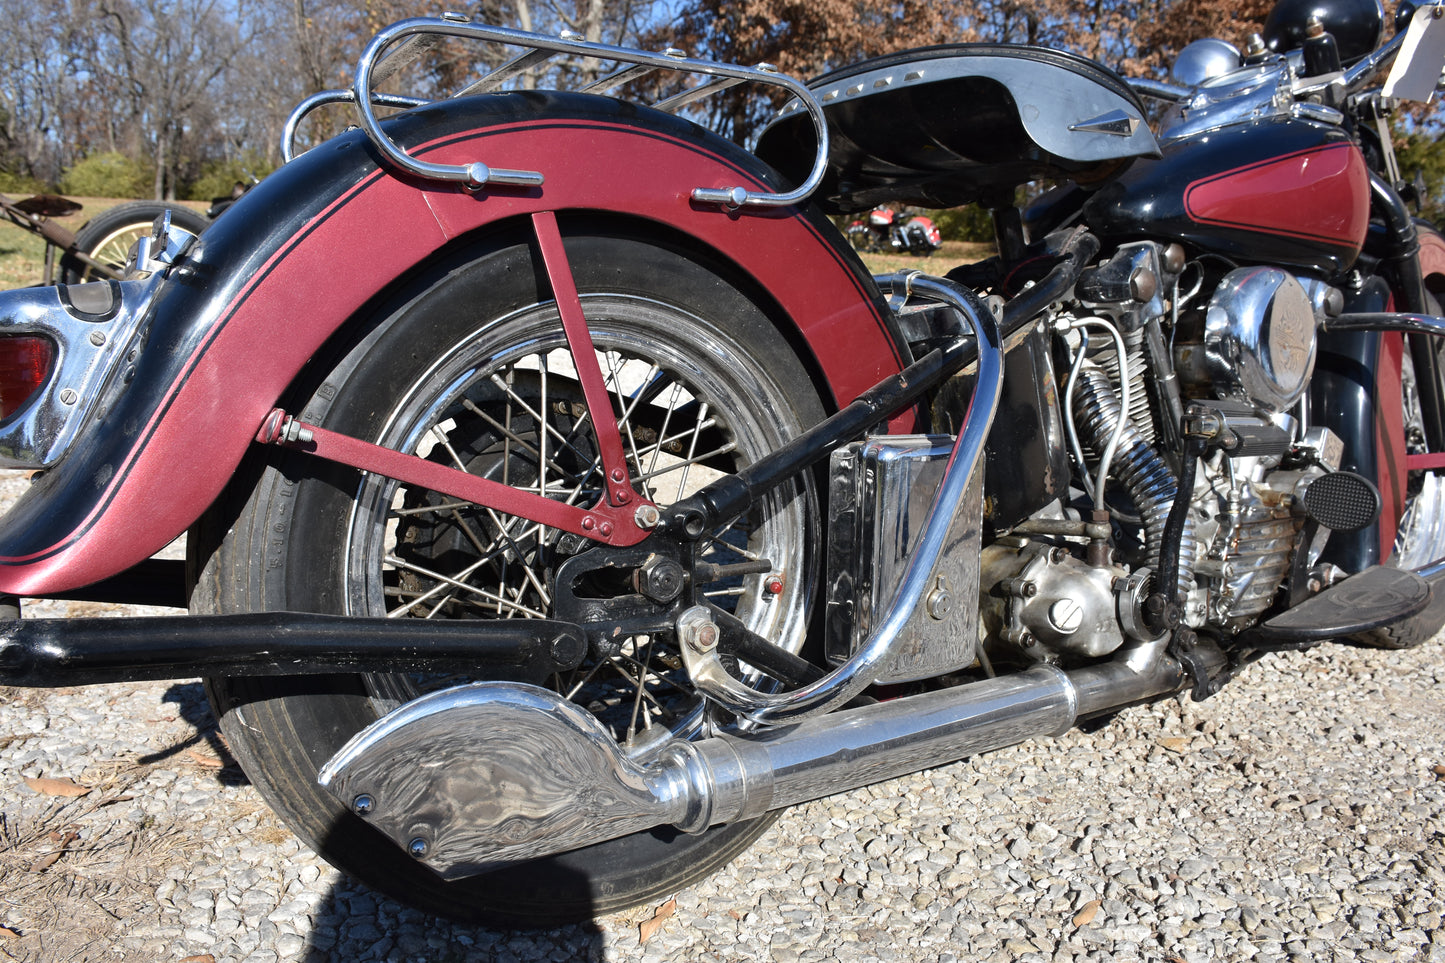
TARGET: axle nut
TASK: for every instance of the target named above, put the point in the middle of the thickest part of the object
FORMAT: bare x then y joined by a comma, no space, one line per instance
697,630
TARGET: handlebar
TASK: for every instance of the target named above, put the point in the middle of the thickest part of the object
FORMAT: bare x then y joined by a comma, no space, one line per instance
1355,78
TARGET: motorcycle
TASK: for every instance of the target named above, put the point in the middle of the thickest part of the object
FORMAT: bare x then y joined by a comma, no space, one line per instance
886,230
561,535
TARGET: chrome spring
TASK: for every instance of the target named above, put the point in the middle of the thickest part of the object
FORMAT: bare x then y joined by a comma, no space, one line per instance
1137,465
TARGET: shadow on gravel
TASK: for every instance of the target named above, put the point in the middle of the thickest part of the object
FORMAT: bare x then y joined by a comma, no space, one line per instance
193,706
358,925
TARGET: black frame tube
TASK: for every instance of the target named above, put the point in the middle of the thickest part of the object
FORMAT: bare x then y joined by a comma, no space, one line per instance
728,497
61,652
1403,259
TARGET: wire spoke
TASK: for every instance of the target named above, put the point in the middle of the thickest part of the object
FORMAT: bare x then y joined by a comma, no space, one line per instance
689,462
402,563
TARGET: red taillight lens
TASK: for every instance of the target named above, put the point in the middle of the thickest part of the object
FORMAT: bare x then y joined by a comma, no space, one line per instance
24,365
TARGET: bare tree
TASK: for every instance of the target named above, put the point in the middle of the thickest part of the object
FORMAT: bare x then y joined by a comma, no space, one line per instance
44,86
163,60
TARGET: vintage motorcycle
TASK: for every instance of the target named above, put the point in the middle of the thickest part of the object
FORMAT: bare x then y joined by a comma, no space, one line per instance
884,229
563,497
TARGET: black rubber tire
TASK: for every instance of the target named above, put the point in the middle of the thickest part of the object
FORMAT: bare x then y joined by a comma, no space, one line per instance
275,545
108,236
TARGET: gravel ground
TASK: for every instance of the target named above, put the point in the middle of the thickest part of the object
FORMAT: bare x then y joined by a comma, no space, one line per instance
1298,815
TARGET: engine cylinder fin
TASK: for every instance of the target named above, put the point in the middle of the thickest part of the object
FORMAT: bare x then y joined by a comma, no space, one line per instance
1136,371
1137,465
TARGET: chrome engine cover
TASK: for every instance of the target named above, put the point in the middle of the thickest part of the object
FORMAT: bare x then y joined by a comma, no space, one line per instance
880,491
1259,338
1047,604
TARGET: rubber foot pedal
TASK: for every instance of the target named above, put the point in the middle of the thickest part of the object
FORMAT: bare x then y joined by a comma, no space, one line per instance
1376,597
1342,501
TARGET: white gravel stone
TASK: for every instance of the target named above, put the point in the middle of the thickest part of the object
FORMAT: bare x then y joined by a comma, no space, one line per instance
1300,821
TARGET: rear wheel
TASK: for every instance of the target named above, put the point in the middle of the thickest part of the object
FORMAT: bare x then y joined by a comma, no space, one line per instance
107,238
474,371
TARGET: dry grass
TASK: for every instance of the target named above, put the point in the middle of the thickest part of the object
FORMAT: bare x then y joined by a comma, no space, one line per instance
952,254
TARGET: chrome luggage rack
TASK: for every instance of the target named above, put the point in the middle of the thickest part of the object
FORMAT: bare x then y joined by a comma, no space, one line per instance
402,43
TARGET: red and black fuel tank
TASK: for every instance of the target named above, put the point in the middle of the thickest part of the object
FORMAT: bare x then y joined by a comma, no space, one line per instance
1282,191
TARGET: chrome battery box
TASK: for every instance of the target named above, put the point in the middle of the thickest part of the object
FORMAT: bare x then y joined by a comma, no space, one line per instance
880,491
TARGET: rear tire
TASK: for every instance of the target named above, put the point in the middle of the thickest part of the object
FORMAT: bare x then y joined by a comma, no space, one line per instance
451,373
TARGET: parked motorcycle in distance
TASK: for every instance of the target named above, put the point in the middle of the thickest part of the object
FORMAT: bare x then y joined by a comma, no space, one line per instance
98,250
563,498
885,230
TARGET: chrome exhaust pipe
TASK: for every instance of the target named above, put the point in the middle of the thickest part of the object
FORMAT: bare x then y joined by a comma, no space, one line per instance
471,779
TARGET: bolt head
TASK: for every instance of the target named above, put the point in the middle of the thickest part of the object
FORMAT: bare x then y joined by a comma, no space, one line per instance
588,523
418,847
774,585
698,633
97,338
647,516
363,805
618,475
68,397
1066,615
605,529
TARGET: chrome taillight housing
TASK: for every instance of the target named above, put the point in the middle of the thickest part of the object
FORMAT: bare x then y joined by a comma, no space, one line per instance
63,347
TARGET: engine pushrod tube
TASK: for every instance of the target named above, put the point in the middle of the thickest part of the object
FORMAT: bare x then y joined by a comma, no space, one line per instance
863,666
47,653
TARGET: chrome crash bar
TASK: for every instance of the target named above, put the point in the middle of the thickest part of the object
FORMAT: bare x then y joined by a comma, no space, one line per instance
863,667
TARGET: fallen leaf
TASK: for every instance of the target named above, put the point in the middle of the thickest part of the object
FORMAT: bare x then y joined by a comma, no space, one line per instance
203,958
7,931
1176,743
1439,771
56,787
207,759
50,859
1086,915
649,928
735,914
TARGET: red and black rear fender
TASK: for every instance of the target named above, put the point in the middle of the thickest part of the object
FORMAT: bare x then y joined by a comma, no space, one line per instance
305,251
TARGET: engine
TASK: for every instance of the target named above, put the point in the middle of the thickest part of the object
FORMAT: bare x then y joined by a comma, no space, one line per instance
1162,363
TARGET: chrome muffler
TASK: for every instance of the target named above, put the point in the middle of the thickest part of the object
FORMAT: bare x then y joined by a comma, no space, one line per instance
471,779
